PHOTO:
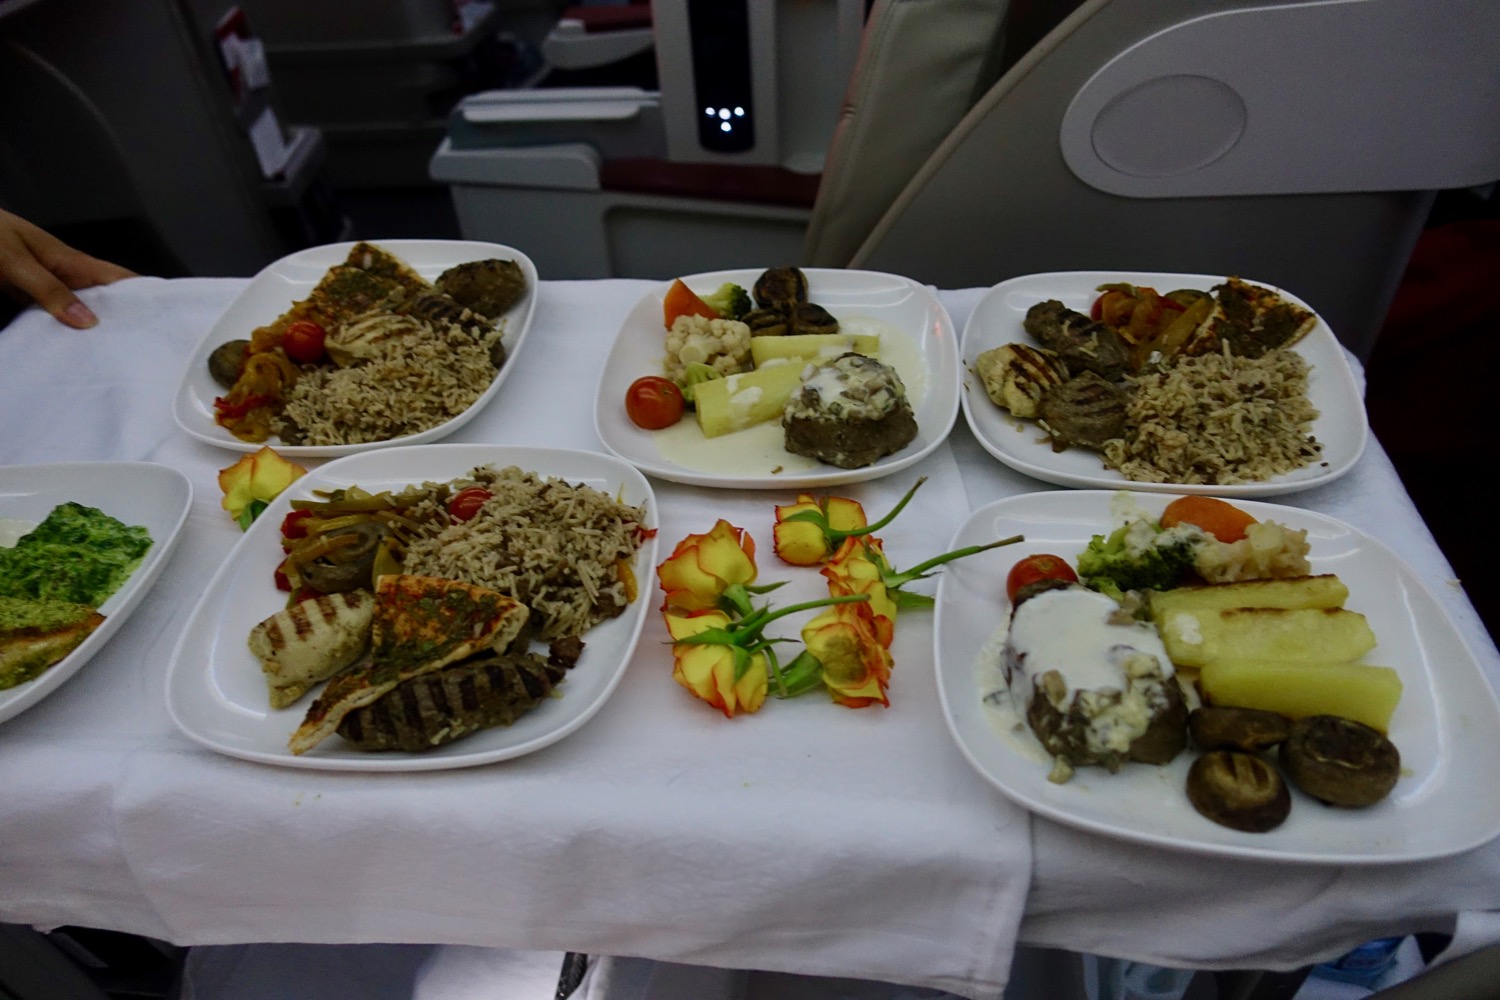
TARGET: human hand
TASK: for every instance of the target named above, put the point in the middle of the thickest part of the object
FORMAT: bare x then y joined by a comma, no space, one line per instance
37,266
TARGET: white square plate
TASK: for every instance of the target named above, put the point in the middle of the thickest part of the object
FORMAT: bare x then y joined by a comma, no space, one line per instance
1447,726
927,362
1341,425
154,496
216,692
290,279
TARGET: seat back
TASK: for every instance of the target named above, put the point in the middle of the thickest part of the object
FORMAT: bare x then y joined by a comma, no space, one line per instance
922,64
1297,144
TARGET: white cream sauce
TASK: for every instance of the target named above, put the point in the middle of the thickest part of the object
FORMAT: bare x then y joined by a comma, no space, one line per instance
1006,716
1073,632
760,450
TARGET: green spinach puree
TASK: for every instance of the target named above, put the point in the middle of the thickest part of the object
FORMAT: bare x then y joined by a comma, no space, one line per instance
78,554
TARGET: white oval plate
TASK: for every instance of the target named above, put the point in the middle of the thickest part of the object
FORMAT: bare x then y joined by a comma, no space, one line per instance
272,291
1447,725
216,692
1341,425
143,493
890,299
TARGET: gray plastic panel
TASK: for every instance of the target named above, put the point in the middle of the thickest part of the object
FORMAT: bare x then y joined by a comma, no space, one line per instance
1299,98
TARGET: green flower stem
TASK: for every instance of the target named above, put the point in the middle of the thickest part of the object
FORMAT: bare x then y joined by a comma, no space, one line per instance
802,675
736,597
836,536
894,580
745,633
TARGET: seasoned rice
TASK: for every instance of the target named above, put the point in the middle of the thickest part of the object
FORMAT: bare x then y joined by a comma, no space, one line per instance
414,381
557,548
1217,419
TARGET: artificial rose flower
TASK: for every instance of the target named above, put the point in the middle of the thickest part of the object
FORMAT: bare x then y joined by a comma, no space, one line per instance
702,567
808,530
250,484
727,676
856,665
805,540
858,567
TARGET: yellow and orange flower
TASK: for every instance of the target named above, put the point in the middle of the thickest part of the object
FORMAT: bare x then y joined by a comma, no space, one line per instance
703,566
806,542
856,663
250,484
728,677
858,568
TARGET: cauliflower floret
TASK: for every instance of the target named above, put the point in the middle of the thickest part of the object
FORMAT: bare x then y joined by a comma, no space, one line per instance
722,344
1268,551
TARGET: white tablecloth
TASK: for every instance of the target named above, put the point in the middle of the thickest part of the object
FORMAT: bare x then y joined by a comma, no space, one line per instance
807,838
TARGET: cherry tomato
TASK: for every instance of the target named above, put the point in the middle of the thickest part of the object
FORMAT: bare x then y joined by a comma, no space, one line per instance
654,402
303,341
292,525
1038,567
466,502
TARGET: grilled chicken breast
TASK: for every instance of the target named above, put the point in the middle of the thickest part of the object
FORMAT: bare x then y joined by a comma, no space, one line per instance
421,624
1016,375
309,642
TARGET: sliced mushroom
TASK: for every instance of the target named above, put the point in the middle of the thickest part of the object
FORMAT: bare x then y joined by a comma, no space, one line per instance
1340,761
766,322
781,288
1220,727
226,362
1238,790
809,317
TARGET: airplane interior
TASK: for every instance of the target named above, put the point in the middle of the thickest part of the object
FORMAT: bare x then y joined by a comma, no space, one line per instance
1345,150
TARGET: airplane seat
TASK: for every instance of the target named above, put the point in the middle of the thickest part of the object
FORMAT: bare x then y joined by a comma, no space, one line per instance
591,37
124,155
1298,144
922,65
716,167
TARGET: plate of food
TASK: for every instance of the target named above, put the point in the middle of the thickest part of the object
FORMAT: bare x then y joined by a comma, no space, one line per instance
780,378
80,545
419,608
1120,692
341,348
1174,383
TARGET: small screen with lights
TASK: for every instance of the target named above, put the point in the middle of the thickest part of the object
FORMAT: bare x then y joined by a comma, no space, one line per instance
720,31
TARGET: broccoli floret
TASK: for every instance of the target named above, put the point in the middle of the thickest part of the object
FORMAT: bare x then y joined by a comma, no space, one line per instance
1130,559
730,301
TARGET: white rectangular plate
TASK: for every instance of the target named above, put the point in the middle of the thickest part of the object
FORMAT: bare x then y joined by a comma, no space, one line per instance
216,692
1447,726
744,460
143,493
290,279
1341,425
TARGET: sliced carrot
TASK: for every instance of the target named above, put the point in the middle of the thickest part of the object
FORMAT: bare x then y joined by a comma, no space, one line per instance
1224,521
681,301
